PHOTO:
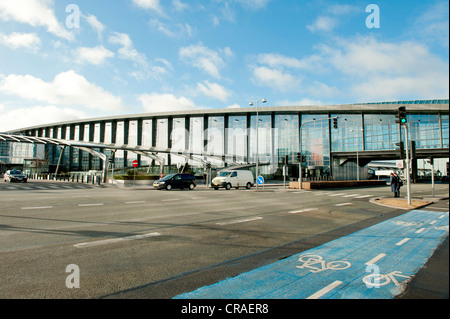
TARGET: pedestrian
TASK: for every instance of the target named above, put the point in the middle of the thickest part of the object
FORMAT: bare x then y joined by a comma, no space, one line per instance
394,184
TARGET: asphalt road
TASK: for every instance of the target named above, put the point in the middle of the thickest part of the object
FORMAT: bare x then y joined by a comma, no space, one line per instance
143,243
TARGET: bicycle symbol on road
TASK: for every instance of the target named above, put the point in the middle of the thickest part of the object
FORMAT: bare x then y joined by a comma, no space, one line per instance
377,280
317,264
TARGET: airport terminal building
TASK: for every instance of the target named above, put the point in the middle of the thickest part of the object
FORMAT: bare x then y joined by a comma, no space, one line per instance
334,141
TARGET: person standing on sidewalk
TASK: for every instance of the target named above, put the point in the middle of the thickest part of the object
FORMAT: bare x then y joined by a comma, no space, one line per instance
394,184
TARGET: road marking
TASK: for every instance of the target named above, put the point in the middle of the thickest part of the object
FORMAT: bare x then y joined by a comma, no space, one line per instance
42,207
375,259
343,204
88,205
420,230
364,196
351,195
340,194
325,290
401,242
283,280
11,187
115,240
303,210
239,221
136,202
442,216
431,223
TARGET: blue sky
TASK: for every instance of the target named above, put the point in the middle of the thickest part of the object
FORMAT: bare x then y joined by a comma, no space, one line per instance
72,59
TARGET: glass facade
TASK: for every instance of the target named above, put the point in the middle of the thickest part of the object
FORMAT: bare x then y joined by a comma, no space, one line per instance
242,135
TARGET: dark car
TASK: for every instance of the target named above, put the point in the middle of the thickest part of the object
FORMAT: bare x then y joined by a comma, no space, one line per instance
15,175
176,181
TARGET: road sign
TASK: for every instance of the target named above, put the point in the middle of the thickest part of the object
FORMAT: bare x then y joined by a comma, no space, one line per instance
135,163
400,164
260,180
161,175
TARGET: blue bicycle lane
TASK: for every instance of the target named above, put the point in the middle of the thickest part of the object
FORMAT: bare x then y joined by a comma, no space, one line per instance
374,263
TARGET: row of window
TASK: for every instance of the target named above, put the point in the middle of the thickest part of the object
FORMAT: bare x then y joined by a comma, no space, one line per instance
271,141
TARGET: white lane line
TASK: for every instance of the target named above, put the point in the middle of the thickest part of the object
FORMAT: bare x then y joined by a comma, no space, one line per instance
442,216
323,291
434,221
303,210
352,195
401,242
343,204
115,240
420,230
136,202
239,221
42,207
340,194
89,205
375,259
364,196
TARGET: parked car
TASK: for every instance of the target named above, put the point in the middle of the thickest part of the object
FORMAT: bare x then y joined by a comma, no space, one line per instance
176,181
14,175
233,178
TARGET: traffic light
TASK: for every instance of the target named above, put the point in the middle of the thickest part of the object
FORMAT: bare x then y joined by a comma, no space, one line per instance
401,149
303,158
401,115
335,123
299,157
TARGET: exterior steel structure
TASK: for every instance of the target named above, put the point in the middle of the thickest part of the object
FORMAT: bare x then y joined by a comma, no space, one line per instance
222,137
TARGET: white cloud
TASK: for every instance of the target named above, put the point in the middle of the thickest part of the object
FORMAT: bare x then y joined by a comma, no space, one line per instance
155,103
274,79
432,25
213,90
37,13
96,55
66,89
179,6
18,118
205,59
362,68
381,70
323,23
127,51
21,40
150,4
179,30
96,25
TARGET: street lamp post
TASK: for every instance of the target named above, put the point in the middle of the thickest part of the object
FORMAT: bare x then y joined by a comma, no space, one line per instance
257,138
357,153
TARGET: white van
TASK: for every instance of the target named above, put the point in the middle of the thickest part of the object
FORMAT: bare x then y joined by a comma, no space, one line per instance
233,178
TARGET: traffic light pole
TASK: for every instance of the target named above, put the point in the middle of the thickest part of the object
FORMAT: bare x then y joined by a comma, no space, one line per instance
408,166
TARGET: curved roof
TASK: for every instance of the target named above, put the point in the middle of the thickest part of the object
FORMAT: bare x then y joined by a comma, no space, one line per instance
382,107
